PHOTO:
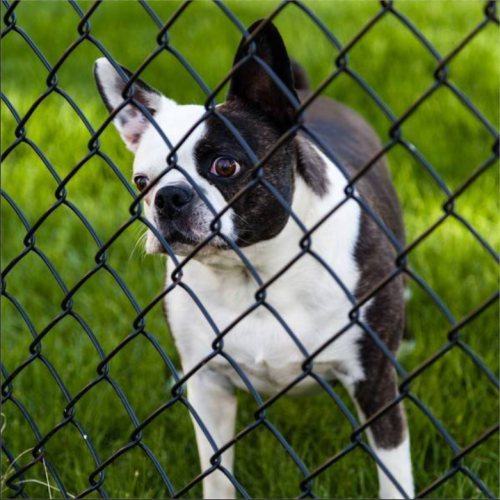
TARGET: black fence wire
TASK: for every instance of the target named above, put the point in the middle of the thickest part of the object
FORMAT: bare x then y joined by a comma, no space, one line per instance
97,480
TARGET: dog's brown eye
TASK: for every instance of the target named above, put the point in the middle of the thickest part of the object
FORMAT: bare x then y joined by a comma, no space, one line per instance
225,167
141,181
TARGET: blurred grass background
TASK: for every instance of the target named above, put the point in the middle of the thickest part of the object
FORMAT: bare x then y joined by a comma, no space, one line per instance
451,261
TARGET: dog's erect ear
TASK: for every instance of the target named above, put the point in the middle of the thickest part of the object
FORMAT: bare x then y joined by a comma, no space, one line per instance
130,121
253,84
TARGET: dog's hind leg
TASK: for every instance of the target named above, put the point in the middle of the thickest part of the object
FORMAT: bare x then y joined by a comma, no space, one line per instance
388,435
214,400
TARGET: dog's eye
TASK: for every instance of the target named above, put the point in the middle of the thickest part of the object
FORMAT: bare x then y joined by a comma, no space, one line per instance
225,167
141,181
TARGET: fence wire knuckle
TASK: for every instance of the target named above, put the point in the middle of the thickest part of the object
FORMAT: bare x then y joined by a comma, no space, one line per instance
16,480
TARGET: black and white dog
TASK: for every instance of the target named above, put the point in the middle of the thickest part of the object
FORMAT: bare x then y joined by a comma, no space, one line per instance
306,296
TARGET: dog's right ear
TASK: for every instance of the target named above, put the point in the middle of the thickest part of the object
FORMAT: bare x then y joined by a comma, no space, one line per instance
130,121
251,82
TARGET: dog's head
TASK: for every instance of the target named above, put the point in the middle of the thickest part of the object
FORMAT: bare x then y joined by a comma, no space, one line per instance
211,155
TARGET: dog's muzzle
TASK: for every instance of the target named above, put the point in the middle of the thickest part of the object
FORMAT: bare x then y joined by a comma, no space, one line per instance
174,206
184,220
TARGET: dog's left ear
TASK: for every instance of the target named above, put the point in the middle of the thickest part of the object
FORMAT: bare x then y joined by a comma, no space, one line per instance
252,83
130,121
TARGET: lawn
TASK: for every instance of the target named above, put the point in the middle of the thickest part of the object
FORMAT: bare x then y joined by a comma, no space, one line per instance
451,261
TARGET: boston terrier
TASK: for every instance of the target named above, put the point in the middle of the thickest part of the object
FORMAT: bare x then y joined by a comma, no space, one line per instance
310,302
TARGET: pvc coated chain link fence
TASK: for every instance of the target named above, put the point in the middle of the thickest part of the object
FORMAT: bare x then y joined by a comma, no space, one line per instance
83,34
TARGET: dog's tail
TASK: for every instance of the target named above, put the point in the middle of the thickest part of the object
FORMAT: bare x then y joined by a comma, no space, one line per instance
299,76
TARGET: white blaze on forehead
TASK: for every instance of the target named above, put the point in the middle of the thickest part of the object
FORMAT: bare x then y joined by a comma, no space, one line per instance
151,158
175,121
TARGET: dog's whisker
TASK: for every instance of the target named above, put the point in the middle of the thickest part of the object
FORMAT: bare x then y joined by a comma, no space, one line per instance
242,219
139,247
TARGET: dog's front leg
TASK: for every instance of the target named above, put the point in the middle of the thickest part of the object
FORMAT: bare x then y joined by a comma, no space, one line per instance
214,400
388,435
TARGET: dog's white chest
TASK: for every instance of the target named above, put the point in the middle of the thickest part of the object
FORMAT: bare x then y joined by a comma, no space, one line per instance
269,343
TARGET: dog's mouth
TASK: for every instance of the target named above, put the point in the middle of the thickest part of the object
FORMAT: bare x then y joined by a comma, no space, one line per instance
179,236
183,240
184,244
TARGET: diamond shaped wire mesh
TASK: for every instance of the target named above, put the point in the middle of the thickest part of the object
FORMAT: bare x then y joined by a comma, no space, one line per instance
16,474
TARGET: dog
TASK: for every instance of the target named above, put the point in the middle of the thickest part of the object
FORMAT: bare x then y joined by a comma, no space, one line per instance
309,301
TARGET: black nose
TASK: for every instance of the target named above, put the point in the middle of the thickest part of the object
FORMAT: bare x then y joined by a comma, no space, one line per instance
171,200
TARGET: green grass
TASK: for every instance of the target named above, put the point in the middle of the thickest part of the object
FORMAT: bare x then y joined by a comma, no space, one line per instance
451,261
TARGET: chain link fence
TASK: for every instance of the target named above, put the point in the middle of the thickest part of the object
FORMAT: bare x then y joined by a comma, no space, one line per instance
16,475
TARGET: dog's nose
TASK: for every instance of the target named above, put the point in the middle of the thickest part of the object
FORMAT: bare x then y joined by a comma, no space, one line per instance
171,200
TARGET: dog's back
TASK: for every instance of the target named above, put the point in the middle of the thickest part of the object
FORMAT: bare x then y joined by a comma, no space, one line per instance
349,137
